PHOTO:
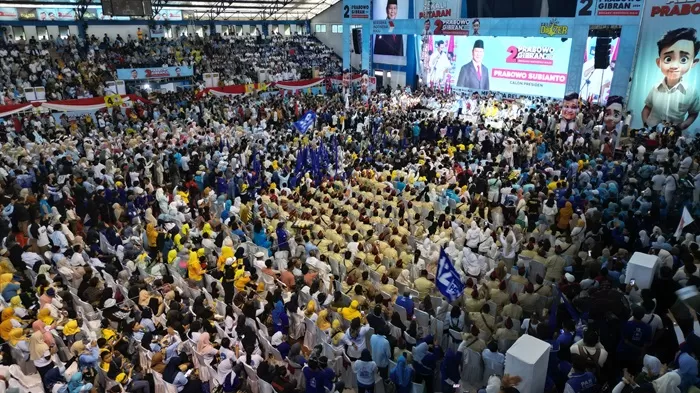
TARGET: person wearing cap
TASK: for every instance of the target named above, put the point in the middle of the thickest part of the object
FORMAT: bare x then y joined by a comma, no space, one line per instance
475,75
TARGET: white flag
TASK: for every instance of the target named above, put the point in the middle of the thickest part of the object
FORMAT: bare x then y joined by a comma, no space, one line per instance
686,219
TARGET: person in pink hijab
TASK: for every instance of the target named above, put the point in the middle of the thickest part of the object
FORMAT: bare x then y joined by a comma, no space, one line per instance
205,349
40,326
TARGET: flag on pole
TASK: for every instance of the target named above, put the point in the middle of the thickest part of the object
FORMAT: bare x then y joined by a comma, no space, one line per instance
448,281
306,122
686,219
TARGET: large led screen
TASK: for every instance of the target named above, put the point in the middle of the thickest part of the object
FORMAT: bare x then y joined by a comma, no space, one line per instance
518,65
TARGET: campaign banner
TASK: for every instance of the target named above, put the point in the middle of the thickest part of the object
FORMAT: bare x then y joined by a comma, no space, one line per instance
437,9
152,73
666,76
168,14
8,14
27,14
595,83
389,43
518,65
157,31
610,7
453,27
102,16
356,9
59,14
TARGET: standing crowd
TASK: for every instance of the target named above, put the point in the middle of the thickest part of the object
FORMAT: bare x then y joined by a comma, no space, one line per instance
208,244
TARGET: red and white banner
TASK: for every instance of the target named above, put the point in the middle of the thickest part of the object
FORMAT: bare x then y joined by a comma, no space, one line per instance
82,104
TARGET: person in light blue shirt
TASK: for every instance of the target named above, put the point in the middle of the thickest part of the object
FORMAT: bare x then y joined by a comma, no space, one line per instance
381,352
365,369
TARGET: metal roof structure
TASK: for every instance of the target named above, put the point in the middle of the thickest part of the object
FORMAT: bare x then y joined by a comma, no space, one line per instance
224,10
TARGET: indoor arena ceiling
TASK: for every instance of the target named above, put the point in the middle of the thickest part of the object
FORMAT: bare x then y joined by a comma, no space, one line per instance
206,9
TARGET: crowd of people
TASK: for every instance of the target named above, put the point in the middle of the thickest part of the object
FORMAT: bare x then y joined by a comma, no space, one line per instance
210,244
78,68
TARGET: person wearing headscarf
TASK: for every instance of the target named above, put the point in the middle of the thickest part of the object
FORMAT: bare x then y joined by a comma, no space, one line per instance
352,312
280,319
9,322
8,287
72,332
424,362
76,384
564,216
194,269
16,304
365,369
322,321
650,371
402,376
205,348
278,340
18,340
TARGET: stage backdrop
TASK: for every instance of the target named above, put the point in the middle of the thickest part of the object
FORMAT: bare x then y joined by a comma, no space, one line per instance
528,66
667,77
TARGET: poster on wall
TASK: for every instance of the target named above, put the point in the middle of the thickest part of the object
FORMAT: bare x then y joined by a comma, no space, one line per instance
388,47
8,14
168,15
666,78
431,9
152,73
102,16
595,83
59,14
157,31
356,9
518,65
610,7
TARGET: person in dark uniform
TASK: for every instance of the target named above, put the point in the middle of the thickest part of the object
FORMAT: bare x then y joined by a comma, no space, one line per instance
475,75
391,44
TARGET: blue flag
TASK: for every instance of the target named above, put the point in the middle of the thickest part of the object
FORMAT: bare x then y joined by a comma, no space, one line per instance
447,279
305,122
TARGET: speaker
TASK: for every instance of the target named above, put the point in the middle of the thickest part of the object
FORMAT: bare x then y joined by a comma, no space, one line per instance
357,40
602,53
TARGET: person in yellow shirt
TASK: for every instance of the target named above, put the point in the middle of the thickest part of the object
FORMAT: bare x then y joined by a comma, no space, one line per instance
352,312
423,285
194,269
242,281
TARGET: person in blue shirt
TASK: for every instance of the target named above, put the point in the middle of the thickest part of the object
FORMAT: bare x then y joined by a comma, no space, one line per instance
636,335
314,377
566,339
329,376
580,380
381,351
450,370
406,302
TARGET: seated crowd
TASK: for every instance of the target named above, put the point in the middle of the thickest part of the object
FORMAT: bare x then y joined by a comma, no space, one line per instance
208,244
76,68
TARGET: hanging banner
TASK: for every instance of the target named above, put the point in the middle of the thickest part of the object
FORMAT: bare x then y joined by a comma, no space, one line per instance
157,31
151,73
58,14
666,75
610,7
168,15
356,9
8,14
102,16
437,9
